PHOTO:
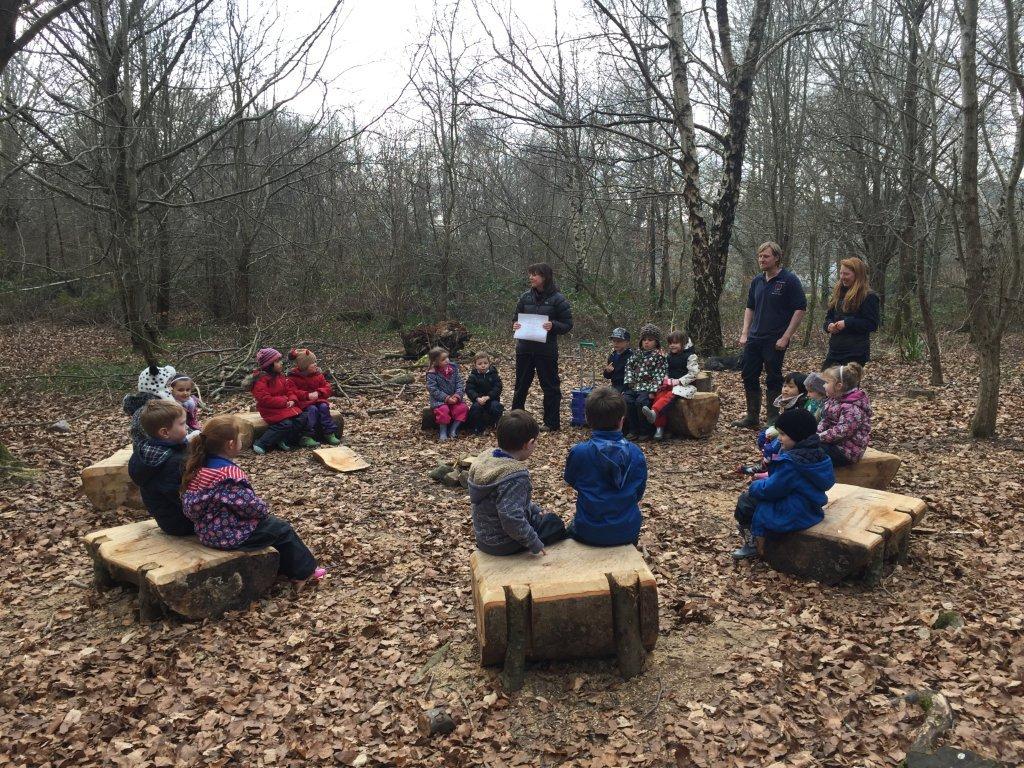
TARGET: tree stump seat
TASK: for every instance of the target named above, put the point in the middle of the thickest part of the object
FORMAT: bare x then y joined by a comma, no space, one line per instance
576,602
876,469
108,486
694,417
863,528
427,420
177,573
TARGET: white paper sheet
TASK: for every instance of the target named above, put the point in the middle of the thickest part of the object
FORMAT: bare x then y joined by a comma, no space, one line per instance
531,328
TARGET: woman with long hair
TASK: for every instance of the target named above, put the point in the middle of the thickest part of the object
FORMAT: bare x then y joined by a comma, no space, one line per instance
853,315
541,357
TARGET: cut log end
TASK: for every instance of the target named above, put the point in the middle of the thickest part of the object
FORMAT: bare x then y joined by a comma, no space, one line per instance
694,417
517,612
435,721
625,594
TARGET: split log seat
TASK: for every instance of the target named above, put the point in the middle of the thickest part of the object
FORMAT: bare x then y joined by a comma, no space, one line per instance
863,528
427,420
696,416
177,573
107,485
876,469
568,600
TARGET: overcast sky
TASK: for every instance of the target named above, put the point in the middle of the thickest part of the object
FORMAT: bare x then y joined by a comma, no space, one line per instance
373,48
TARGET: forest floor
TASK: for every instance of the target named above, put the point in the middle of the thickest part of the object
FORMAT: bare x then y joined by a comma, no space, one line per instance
752,668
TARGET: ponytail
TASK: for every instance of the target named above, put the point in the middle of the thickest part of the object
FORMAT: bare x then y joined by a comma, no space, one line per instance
216,434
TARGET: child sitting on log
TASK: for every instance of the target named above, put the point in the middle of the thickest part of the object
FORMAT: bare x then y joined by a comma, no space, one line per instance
792,497
615,368
816,394
609,474
845,426
446,389
155,464
277,402
227,513
794,395
645,371
181,387
152,386
505,519
314,391
682,370
483,388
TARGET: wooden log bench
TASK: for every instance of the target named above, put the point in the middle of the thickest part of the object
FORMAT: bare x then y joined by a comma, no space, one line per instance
107,485
177,573
694,417
575,602
863,529
876,469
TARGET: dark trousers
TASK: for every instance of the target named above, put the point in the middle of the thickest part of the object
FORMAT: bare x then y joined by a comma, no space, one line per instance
839,458
745,507
550,530
546,368
635,421
297,562
288,431
758,355
318,420
175,525
483,416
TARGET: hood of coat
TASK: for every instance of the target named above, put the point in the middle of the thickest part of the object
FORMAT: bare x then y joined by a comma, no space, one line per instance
614,459
488,470
812,462
135,400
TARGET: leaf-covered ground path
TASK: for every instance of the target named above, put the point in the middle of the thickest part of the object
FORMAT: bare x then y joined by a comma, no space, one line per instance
752,668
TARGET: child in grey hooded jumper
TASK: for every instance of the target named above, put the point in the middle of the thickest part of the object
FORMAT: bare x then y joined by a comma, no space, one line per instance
505,520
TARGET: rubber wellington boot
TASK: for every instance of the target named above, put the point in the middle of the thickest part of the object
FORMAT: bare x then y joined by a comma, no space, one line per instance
771,409
753,417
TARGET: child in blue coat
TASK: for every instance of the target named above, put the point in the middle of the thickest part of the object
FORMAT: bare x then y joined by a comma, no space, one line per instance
609,474
792,497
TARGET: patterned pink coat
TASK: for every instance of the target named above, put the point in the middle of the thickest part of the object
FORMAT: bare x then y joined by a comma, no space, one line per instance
222,505
846,423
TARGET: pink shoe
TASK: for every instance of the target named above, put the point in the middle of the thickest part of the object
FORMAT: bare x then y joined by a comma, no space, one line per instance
760,475
318,574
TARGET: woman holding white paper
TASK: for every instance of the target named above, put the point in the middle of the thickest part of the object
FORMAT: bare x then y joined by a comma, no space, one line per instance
540,356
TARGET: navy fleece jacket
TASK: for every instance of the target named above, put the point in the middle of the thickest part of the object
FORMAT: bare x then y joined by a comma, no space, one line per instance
609,474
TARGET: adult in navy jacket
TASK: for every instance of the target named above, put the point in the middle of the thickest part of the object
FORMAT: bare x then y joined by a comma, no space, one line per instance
775,306
853,315
541,357
609,474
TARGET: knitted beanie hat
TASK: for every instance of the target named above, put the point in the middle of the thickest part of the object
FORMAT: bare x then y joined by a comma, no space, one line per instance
266,357
651,331
155,380
303,358
798,423
814,383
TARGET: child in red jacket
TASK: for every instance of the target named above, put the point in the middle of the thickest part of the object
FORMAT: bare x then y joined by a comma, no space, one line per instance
314,391
277,401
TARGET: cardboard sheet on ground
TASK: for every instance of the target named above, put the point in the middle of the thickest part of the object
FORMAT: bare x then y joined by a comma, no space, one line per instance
531,328
341,458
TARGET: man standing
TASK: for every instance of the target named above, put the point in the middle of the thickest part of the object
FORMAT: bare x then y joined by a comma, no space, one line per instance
775,306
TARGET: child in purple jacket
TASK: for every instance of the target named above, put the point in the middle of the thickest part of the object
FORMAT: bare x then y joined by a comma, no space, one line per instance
225,509
845,427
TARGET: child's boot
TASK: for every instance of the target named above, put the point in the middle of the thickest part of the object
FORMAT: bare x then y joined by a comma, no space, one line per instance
650,414
749,548
442,433
454,429
283,446
308,442
332,440
659,433
259,450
